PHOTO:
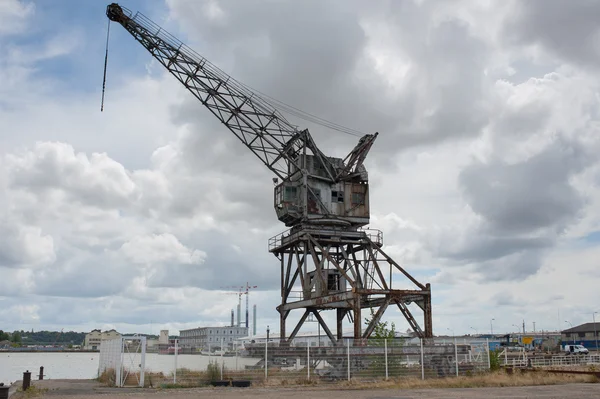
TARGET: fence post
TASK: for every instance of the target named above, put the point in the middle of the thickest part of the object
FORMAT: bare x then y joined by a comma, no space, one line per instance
308,360
422,365
144,346
386,358
348,354
175,360
487,350
266,358
222,350
456,356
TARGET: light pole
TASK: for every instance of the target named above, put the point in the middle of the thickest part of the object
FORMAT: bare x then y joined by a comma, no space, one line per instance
492,326
595,332
567,321
311,319
517,334
452,331
476,333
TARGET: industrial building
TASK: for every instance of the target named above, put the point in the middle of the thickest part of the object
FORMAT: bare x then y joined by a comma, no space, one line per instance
205,338
95,337
586,334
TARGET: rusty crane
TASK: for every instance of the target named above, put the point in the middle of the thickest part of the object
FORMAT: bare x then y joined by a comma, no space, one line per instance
327,255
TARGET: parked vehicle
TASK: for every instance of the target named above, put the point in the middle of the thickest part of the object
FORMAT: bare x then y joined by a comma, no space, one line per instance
576,350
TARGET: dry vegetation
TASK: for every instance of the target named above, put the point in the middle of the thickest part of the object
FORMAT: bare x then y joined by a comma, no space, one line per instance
188,379
494,379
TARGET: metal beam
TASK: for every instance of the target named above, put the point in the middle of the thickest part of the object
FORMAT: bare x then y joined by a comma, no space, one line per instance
376,318
320,301
325,327
300,322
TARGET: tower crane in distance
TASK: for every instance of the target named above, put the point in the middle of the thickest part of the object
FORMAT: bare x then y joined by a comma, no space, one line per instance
243,290
327,253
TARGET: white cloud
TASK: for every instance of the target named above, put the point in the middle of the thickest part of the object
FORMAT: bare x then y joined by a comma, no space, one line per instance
24,246
483,178
97,180
13,16
161,248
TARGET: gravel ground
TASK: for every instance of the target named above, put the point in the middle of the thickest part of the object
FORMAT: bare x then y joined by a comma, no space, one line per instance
78,389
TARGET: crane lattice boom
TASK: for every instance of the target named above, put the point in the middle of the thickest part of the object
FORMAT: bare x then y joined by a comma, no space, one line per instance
263,129
307,174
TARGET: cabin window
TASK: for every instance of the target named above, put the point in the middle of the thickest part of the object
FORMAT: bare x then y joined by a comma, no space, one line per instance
337,196
332,282
290,194
358,198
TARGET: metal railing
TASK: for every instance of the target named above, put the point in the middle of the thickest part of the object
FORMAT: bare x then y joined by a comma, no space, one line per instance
374,235
549,360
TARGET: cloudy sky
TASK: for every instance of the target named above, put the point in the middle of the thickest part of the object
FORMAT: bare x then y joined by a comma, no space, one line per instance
484,178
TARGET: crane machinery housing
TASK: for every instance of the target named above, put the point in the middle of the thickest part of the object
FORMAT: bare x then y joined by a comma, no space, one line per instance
327,253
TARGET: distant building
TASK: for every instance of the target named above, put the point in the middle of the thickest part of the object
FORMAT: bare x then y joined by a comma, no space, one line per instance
163,338
586,334
93,338
151,344
203,338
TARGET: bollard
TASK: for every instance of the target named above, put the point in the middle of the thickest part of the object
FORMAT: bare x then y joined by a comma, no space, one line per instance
26,380
3,391
41,375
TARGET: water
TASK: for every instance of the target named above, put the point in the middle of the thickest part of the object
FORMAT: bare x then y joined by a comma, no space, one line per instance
85,365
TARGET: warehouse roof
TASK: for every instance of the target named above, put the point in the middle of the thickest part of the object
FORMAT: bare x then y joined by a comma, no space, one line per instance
587,327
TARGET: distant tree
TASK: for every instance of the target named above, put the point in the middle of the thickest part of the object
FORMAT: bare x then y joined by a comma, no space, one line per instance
16,337
381,332
4,336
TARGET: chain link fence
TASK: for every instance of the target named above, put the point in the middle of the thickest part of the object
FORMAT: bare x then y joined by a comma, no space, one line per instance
366,360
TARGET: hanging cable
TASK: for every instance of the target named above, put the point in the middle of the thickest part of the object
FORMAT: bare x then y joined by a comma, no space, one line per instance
308,116
281,106
105,63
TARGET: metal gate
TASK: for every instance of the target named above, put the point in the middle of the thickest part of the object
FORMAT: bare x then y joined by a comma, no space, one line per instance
123,360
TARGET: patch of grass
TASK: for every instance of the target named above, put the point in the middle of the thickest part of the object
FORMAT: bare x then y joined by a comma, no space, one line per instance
280,378
185,385
107,377
492,379
31,392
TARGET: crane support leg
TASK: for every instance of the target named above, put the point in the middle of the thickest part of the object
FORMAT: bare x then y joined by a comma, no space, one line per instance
347,271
